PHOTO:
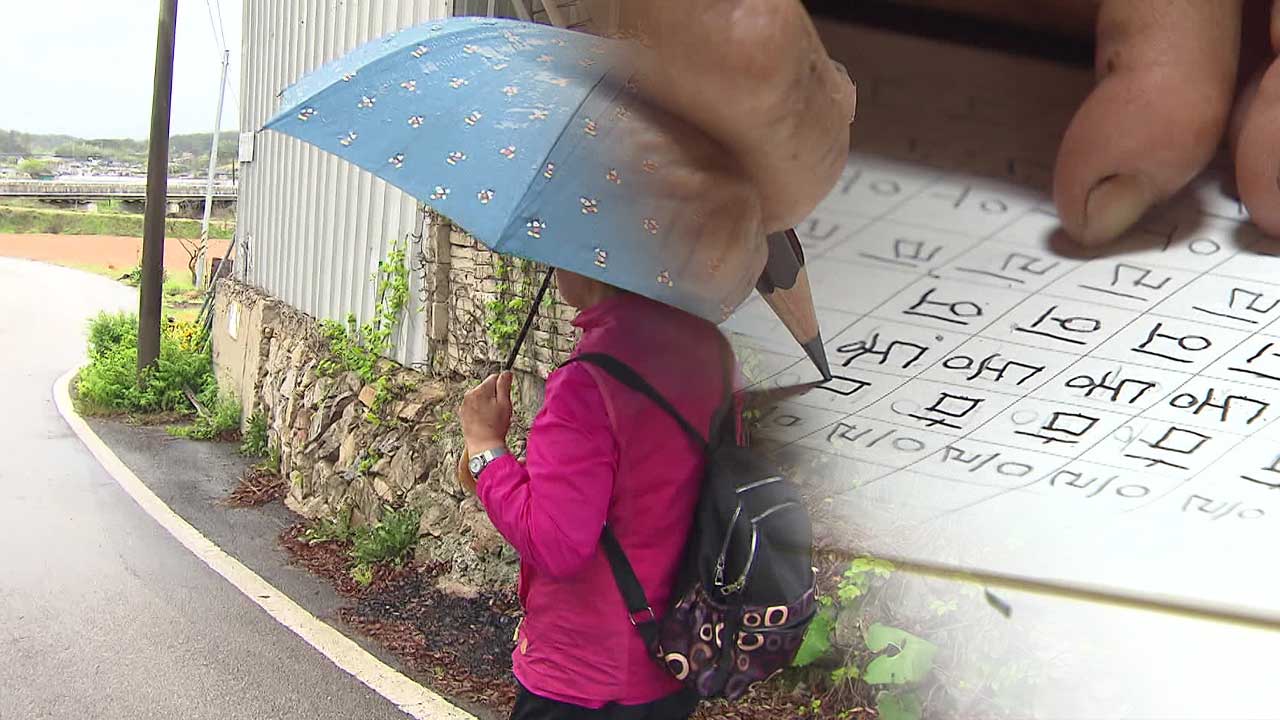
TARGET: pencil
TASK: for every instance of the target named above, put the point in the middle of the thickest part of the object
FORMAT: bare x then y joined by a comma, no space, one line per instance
785,286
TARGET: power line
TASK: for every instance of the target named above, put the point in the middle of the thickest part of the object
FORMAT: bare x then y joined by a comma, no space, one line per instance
222,45
221,29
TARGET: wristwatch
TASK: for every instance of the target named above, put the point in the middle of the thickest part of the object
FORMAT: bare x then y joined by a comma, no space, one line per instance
479,462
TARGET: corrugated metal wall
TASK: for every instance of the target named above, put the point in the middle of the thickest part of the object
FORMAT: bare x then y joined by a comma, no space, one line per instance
313,226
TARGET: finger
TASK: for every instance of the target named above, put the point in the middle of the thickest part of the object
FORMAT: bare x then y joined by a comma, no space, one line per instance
504,388
753,75
713,238
1257,144
1167,71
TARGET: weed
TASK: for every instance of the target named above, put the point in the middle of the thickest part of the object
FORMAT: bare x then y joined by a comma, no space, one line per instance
362,574
894,659
361,348
255,442
272,462
390,540
334,529
223,421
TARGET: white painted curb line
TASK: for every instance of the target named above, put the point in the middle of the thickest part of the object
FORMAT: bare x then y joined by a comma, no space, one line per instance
409,696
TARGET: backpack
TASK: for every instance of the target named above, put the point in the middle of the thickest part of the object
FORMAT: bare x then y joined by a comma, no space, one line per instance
745,593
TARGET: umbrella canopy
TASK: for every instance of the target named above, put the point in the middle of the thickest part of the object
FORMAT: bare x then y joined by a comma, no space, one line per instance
532,139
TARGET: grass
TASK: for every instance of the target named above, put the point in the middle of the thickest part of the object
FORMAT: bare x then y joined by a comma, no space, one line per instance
255,442
20,220
222,422
389,541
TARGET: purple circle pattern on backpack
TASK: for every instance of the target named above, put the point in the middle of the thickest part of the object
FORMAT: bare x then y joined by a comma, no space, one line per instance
765,640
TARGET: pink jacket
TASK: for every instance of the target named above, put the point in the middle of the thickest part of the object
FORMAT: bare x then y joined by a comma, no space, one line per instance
599,452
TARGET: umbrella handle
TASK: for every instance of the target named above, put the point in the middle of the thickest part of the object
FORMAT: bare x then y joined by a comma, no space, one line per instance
528,321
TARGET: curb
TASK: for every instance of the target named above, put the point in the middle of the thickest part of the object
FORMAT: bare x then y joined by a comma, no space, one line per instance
405,693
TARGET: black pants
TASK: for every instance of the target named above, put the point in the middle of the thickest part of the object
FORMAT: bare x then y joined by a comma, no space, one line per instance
673,707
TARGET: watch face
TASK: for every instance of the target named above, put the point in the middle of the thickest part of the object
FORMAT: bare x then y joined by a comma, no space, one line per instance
476,465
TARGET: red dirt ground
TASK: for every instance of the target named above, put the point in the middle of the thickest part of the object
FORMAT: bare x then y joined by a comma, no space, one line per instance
105,251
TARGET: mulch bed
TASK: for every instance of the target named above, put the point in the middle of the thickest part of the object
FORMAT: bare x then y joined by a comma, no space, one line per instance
257,486
462,645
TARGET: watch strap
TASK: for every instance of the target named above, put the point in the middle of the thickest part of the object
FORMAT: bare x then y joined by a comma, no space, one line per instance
487,457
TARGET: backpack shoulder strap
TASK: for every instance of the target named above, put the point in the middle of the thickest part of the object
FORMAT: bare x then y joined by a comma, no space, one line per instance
639,612
624,374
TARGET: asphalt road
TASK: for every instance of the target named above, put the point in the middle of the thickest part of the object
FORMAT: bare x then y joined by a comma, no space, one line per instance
102,613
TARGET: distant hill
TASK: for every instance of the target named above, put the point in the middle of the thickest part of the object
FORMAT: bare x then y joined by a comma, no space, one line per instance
127,150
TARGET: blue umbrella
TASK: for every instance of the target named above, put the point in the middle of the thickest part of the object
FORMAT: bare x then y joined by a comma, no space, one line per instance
512,130
532,138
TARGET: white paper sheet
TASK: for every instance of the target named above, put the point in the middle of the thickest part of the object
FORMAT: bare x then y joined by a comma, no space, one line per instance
1005,400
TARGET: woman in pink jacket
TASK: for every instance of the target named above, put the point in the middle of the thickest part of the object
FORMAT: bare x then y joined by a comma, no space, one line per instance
599,453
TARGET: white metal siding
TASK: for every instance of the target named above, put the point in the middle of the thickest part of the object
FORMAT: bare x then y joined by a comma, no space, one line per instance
314,226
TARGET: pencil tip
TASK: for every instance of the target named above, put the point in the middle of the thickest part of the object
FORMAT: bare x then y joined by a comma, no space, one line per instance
818,354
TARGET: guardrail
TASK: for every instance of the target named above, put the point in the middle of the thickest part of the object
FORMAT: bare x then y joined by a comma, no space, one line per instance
124,189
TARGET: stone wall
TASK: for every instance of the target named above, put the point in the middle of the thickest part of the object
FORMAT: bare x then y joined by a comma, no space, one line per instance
343,463
466,285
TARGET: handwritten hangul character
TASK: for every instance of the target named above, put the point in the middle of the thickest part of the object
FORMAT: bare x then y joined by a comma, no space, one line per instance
869,437
975,461
1264,363
1172,448
1111,387
993,367
1171,346
1060,327
844,386
1133,282
948,205
1063,427
874,443
947,407
1269,480
906,252
1015,267
1218,509
955,312
1242,305
1095,484
818,233
1250,410
901,354
787,422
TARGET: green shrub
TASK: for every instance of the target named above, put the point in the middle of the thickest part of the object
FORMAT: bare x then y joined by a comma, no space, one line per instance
255,442
110,381
109,331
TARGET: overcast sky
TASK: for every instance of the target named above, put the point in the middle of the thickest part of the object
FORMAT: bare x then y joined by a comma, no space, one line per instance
85,67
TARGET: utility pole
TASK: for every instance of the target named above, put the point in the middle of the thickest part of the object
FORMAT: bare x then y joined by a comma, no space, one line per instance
149,303
201,257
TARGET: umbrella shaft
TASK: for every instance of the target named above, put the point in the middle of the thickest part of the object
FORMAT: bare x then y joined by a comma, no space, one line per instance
528,321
